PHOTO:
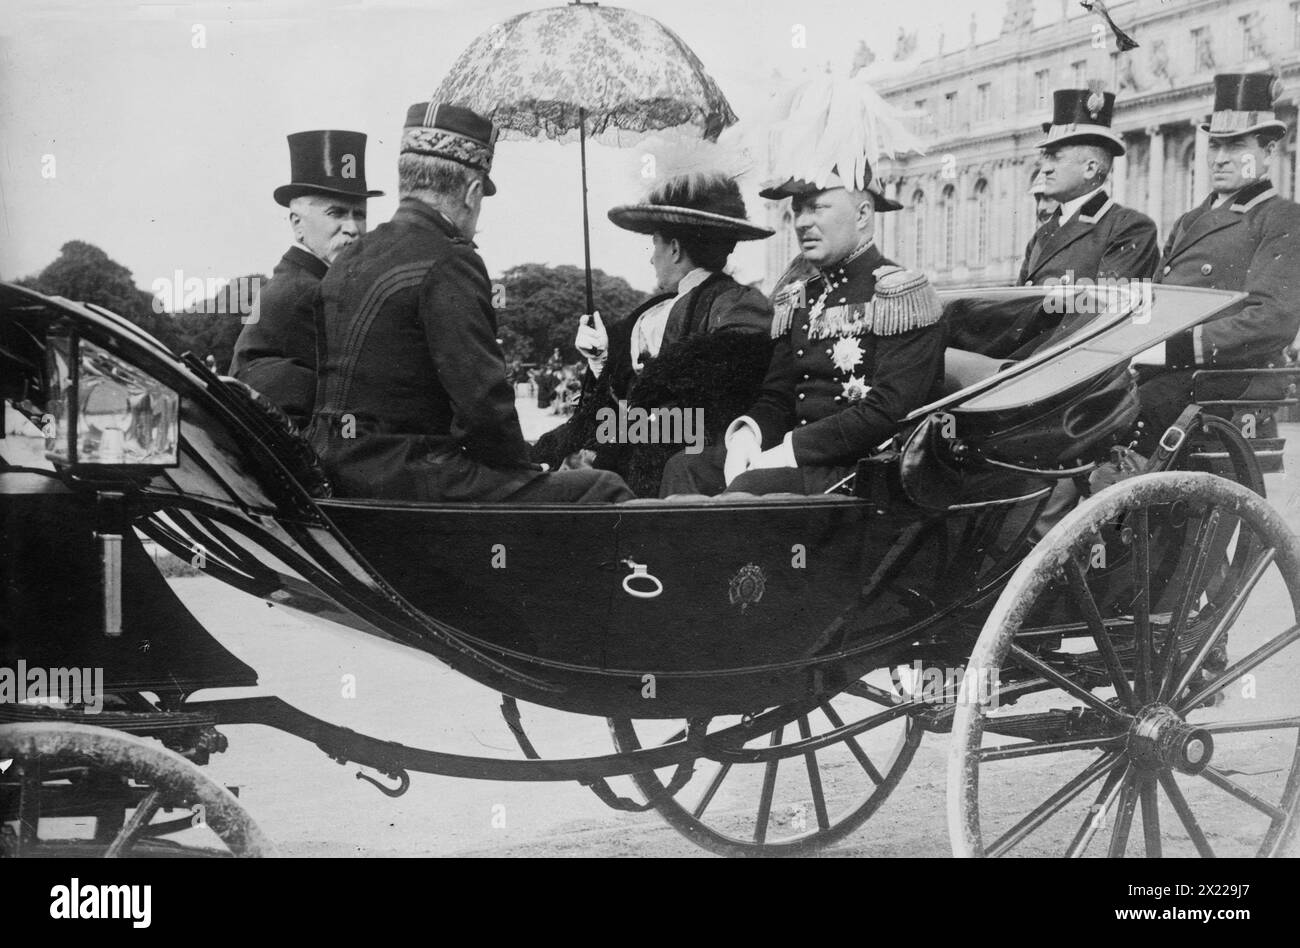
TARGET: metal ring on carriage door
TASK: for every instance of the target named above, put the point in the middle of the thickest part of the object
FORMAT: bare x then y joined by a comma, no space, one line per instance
639,571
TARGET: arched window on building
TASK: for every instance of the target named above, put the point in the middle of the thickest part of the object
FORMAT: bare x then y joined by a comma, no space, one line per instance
1187,175
948,221
918,230
983,212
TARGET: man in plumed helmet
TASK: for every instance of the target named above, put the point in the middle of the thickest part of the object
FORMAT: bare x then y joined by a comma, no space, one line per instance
414,403
701,342
1244,236
276,350
859,345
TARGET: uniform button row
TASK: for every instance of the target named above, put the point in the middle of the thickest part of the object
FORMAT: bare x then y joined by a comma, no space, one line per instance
802,395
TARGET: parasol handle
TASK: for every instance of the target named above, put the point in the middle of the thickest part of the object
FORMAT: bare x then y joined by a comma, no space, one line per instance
586,226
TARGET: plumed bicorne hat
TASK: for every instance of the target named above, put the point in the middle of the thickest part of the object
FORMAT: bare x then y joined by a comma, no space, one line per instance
326,161
1243,104
454,133
707,205
831,132
1082,117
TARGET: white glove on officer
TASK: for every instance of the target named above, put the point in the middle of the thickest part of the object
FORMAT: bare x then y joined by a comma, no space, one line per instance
592,341
744,446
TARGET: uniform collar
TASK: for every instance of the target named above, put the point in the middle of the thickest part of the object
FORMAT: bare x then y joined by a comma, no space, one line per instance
862,261
1252,195
304,259
1089,207
415,211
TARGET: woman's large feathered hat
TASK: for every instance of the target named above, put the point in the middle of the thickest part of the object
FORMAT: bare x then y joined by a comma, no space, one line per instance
831,132
697,195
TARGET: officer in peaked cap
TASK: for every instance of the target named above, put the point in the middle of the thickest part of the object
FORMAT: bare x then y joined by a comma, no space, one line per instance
1090,235
326,197
1243,236
859,345
414,401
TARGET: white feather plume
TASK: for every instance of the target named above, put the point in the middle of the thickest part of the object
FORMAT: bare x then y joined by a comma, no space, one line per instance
662,157
832,124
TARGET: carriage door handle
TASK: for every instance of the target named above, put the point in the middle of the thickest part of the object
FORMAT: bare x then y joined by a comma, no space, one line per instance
651,586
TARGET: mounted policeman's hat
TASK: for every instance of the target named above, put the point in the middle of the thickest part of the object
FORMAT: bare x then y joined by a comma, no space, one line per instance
326,161
1082,117
454,133
795,186
704,205
1243,104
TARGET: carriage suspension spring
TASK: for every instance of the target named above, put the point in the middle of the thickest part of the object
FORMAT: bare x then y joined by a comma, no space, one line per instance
598,785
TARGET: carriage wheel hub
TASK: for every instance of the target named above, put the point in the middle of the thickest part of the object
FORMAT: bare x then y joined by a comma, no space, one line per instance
1159,738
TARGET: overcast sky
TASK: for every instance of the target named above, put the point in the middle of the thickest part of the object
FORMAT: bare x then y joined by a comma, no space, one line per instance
165,155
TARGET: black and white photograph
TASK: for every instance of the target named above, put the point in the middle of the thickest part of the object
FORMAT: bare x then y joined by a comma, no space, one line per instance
655,429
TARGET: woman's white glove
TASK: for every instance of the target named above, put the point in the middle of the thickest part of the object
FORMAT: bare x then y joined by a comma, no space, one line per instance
592,341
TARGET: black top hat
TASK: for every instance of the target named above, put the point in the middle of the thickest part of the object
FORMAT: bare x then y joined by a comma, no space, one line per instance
1082,116
795,186
1243,103
453,132
706,205
326,161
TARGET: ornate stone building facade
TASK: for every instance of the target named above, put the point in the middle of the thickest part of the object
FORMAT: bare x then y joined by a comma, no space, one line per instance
967,212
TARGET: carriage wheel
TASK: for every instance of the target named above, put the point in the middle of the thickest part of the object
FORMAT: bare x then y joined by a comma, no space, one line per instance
747,804
1186,721
47,755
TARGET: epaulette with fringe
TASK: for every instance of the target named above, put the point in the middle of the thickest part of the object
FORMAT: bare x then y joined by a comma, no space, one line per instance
904,300
790,297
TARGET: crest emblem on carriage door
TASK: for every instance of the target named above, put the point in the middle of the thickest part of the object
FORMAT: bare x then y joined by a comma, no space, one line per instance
747,586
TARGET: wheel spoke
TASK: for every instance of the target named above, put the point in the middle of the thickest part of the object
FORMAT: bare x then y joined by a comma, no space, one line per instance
1088,605
1096,817
1035,664
1032,748
814,779
131,829
1052,805
1185,814
1233,672
863,760
1229,616
1150,817
769,786
1191,594
1223,782
712,788
1266,724
1123,817
1142,604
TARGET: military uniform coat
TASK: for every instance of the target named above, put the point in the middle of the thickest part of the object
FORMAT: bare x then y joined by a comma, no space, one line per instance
844,378
409,357
276,351
1251,242
1102,241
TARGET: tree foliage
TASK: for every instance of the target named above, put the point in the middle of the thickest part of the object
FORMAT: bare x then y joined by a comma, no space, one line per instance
540,311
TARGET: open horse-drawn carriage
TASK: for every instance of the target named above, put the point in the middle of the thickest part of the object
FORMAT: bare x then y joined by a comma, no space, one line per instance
768,665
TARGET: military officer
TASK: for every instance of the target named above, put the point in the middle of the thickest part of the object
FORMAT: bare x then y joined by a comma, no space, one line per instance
276,350
1244,236
1089,235
858,347
414,401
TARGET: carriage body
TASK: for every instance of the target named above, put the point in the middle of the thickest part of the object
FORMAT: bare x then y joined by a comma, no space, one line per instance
678,608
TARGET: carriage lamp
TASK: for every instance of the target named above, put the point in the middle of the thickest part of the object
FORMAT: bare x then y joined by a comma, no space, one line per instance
103,412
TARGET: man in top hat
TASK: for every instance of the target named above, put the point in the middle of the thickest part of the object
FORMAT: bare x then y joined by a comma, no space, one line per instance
858,347
276,350
414,401
1244,236
1089,236
703,341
